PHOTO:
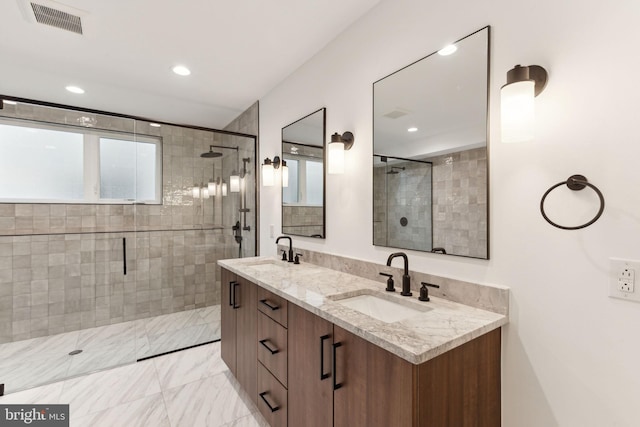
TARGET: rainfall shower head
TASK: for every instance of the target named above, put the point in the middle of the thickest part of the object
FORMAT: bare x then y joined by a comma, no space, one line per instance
211,154
394,171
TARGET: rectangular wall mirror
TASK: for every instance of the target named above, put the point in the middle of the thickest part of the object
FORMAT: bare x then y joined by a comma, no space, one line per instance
303,196
430,162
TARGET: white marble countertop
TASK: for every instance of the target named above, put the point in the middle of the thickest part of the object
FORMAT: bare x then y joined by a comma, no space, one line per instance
416,339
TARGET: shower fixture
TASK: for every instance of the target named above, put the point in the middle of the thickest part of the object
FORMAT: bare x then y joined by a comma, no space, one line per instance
394,170
213,154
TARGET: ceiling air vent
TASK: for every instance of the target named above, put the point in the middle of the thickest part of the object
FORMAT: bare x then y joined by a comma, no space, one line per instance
53,13
57,18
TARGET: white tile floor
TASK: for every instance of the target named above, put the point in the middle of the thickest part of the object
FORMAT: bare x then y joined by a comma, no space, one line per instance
38,361
189,388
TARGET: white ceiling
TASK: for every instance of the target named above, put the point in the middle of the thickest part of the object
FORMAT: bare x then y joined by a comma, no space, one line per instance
237,50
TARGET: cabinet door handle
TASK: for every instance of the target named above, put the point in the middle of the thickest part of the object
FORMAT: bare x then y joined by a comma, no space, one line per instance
264,399
323,376
272,307
231,292
264,344
336,385
235,286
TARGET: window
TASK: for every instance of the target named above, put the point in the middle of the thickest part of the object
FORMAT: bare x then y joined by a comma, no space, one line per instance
305,182
60,164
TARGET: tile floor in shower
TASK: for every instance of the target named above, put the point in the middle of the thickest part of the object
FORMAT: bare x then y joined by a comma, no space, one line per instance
30,363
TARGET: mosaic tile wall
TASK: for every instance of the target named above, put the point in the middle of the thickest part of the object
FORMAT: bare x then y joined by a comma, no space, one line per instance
62,266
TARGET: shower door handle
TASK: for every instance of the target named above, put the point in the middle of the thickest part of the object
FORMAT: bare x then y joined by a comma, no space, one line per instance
124,255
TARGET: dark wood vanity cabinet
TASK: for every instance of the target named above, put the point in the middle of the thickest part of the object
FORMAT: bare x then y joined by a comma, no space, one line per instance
303,370
339,379
238,330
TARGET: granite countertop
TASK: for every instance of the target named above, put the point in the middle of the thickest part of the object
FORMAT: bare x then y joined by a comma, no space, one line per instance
444,326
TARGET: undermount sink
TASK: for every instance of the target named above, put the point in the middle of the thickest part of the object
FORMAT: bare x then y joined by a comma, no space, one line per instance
380,307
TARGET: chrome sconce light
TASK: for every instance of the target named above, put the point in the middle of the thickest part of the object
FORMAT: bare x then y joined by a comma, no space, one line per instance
268,170
335,153
517,102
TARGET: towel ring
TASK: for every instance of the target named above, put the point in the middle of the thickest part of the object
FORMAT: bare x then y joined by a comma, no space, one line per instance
575,183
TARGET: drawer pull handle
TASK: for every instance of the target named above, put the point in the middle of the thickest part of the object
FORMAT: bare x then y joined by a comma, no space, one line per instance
323,376
264,399
264,344
336,385
266,302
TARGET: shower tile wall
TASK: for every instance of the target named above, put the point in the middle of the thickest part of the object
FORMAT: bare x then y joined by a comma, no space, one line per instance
302,220
61,265
459,211
460,202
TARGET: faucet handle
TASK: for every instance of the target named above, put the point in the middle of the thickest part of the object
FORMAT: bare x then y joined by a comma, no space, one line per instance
296,260
390,287
424,291
284,255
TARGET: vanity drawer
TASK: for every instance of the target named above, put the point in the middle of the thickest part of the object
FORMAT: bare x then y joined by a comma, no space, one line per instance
272,347
273,306
272,398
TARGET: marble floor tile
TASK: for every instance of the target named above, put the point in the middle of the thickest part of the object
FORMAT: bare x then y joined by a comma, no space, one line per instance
145,412
106,389
30,363
49,393
213,401
253,420
190,365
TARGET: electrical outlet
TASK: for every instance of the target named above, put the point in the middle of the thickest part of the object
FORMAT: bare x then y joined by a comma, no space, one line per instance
622,275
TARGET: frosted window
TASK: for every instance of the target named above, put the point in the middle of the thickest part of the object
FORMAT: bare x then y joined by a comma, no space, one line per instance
314,183
290,193
127,169
40,164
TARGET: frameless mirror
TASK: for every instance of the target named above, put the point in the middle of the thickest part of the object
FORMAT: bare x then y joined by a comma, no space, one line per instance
303,195
430,160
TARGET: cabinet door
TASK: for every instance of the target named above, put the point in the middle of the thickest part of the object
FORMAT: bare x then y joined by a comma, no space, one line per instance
246,298
375,387
228,320
310,378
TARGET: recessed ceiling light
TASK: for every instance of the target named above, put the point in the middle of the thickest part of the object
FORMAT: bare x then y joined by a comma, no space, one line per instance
181,70
412,130
155,125
6,101
75,89
447,50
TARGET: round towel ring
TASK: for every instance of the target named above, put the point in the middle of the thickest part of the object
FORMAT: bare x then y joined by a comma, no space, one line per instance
575,183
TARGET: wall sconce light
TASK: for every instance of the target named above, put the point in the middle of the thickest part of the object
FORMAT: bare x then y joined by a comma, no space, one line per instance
223,188
268,168
196,191
517,102
234,182
338,145
212,186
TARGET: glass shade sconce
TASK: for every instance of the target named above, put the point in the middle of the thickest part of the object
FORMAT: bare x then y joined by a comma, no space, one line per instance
234,182
517,102
268,171
335,153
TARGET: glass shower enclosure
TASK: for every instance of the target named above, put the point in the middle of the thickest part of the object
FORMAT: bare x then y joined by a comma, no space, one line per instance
110,231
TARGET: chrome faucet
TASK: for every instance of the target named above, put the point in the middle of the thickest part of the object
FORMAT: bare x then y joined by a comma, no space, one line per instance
406,279
290,247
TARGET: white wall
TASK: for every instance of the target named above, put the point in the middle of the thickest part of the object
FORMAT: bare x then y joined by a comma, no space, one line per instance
570,355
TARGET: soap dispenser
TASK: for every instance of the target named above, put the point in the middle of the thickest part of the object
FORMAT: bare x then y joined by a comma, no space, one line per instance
390,287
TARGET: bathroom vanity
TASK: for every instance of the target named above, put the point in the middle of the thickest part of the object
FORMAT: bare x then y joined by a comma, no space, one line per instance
297,339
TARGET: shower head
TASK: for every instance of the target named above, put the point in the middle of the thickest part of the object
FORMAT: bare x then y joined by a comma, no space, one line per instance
211,154
394,170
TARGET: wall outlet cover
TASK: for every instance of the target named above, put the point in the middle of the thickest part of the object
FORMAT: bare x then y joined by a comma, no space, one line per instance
622,273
